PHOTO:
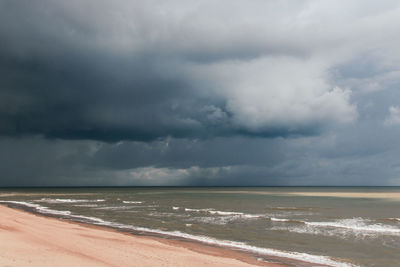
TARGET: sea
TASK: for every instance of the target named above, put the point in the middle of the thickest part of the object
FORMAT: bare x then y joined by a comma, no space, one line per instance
323,226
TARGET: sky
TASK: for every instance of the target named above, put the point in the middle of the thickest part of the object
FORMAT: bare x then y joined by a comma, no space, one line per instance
199,92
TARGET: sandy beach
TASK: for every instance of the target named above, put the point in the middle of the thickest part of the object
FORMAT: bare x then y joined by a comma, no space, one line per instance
377,195
32,240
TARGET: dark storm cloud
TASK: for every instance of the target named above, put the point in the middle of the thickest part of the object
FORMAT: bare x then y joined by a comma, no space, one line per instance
58,82
126,71
87,95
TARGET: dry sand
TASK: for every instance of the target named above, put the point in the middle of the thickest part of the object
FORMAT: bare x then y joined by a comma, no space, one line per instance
31,240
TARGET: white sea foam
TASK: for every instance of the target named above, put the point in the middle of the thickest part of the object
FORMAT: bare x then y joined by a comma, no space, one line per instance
236,215
225,212
39,208
197,210
187,209
149,207
27,204
225,218
94,220
251,216
279,220
67,200
220,220
344,228
204,239
132,202
358,225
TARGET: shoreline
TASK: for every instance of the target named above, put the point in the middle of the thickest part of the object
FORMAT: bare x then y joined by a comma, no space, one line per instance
67,234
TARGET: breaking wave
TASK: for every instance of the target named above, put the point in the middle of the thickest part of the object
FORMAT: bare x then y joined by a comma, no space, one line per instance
341,228
223,213
358,225
67,200
279,220
132,202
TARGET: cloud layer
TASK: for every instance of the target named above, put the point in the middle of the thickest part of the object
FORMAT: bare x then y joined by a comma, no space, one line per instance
199,92
134,71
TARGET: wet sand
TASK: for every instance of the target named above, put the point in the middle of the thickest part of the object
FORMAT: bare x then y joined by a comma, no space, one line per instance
31,240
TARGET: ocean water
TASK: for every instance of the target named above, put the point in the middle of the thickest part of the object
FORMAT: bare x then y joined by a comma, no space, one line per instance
334,226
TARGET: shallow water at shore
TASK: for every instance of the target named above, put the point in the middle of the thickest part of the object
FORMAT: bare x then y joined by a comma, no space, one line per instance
333,226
